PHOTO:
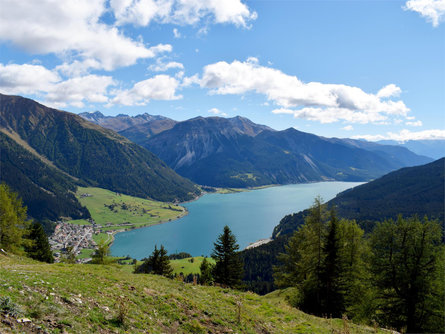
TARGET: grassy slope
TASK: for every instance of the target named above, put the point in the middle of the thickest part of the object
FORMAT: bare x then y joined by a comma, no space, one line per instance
86,298
155,212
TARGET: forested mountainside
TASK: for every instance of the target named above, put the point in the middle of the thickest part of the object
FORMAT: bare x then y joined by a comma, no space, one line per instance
408,191
87,152
47,191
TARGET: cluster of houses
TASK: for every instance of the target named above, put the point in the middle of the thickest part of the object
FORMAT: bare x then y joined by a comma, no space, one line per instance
69,236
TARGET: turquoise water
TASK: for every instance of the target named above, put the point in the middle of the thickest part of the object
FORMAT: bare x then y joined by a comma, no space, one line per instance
251,216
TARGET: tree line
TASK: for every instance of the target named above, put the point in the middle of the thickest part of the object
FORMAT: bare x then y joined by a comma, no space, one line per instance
394,276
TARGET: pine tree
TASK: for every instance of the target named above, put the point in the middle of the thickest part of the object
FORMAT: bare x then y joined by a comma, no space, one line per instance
332,303
13,222
228,269
408,272
39,248
206,268
302,262
158,263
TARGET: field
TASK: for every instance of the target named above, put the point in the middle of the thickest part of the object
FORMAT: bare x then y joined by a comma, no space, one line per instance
113,212
189,265
108,207
83,298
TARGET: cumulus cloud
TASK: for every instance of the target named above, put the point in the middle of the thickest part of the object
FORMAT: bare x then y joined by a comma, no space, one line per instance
315,101
38,80
432,10
162,66
216,111
348,128
26,79
75,91
72,29
160,87
142,12
405,135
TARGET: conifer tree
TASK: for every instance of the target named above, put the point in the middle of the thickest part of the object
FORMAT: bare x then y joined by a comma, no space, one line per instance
13,222
158,263
206,268
228,268
408,272
39,248
330,287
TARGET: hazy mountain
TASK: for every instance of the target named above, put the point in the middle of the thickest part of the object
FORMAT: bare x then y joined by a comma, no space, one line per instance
236,152
119,122
96,156
430,148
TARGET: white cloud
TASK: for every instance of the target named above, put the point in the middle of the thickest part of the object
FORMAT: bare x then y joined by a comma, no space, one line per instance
26,79
38,80
405,135
389,91
160,87
216,111
162,66
315,101
176,33
348,128
143,12
417,123
73,30
75,91
432,10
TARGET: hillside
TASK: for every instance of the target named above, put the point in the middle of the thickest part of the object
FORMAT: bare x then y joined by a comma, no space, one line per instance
90,153
88,299
47,191
236,152
407,191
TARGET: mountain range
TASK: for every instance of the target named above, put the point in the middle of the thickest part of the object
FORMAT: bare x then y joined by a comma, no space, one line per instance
235,152
49,151
430,148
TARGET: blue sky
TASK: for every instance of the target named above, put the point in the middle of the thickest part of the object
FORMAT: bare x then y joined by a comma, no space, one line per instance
362,69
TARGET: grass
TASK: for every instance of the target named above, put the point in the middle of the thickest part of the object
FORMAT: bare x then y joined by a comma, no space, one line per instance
189,265
110,208
105,298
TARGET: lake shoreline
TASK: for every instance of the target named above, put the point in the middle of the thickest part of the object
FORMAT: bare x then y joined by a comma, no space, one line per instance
250,215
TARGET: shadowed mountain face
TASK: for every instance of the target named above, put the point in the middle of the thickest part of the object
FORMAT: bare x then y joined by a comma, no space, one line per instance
87,152
236,152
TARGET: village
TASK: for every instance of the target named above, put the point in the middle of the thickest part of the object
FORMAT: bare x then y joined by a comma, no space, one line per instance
70,236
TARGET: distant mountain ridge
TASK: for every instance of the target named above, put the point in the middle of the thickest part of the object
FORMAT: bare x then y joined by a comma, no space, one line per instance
84,151
119,122
430,148
236,152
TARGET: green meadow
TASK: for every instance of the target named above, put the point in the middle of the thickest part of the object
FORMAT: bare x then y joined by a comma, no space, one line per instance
86,298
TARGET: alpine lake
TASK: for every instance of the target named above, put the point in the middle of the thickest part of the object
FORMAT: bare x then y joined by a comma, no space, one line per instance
251,215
